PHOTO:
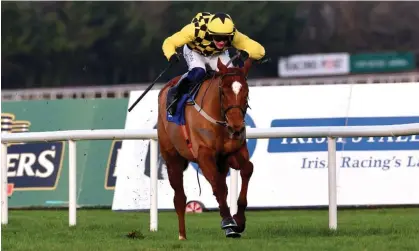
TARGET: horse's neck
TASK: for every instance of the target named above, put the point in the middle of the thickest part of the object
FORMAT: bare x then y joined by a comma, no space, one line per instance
211,101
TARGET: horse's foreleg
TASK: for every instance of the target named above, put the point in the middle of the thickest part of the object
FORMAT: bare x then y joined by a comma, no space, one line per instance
240,161
175,173
217,178
175,167
245,173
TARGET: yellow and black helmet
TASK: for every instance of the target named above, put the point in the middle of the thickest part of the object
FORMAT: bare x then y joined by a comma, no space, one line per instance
221,24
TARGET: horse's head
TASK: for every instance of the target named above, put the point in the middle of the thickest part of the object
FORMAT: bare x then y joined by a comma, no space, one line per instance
234,93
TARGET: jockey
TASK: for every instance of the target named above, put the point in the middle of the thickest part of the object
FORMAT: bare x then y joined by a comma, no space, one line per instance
204,40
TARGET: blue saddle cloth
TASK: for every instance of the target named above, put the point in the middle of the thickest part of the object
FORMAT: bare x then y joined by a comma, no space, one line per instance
179,116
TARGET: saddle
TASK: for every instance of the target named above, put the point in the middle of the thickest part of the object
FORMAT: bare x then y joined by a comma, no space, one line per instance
187,99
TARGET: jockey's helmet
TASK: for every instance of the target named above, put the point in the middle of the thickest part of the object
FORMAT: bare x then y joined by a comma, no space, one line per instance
221,24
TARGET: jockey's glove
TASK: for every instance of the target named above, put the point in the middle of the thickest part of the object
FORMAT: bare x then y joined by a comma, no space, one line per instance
243,56
264,60
174,58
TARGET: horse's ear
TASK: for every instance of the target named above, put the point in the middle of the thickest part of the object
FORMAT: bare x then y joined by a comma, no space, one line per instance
221,67
246,66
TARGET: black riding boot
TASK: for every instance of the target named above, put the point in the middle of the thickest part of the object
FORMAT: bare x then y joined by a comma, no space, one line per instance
175,93
172,100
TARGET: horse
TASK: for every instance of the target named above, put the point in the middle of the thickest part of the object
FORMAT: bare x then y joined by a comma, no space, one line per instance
213,135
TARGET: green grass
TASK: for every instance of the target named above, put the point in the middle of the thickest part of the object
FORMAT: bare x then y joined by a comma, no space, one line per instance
366,230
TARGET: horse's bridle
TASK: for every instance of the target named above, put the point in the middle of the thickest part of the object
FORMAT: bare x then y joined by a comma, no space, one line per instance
221,94
223,122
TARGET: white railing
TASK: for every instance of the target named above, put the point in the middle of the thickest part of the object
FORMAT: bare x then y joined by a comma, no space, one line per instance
277,132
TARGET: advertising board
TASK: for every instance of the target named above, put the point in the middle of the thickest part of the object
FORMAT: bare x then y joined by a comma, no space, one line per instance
382,62
314,65
38,172
293,172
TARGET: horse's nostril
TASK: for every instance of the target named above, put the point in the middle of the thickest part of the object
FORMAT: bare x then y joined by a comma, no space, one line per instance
236,130
237,134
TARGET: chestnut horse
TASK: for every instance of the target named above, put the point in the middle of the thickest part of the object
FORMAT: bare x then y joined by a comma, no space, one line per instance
214,137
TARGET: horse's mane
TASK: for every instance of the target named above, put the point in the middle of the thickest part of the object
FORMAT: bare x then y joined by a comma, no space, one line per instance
232,70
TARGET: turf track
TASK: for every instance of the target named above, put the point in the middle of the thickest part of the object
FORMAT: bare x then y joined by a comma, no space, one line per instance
372,229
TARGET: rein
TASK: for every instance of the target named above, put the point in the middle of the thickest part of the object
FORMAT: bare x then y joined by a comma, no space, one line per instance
233,58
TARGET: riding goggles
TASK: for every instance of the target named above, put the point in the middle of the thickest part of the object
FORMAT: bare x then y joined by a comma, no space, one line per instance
220,38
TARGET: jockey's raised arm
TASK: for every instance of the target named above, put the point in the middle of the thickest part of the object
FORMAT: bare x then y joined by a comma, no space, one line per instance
242,42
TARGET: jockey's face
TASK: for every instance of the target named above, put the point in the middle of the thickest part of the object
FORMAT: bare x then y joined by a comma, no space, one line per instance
220,41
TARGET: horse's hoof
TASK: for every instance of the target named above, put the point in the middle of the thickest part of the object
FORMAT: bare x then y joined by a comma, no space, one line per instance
240,225
239,229
230,233
182,238
228,223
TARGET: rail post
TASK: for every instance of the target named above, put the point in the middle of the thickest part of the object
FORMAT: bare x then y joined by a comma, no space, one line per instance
234,183
153,185
331,149
72,179
4,197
